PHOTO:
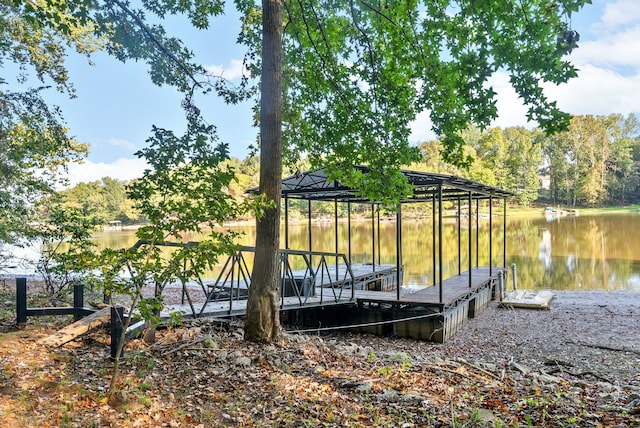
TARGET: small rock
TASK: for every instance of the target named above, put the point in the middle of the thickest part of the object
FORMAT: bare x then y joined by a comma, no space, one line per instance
390,395
414,398
486,416
208,342
243,361
521,368
363,387
544,378
439,360
605,398
490,367
606,386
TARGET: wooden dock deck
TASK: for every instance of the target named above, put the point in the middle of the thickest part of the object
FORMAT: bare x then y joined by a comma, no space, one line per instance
454,290
333,285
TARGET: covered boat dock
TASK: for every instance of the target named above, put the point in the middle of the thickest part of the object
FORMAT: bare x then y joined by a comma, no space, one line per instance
448,302
325,290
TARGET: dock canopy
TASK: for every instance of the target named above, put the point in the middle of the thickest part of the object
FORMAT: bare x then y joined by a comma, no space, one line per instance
427,187
315,185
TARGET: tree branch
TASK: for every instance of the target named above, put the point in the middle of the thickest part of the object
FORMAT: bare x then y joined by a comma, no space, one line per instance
155,41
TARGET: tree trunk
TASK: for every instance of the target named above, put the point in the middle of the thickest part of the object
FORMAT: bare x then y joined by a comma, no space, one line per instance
263,322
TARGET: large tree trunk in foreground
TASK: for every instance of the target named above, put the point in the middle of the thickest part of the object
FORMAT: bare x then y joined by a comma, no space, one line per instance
263,322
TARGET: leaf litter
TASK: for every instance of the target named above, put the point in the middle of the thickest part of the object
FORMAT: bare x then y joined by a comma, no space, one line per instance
575,365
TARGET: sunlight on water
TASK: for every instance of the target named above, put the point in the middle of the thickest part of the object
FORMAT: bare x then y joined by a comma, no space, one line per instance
568,253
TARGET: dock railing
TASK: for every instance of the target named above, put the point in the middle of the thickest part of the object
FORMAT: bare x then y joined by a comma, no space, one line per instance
316,275
306,277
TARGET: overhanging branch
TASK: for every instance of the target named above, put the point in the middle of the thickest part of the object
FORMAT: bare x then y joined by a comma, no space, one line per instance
155,41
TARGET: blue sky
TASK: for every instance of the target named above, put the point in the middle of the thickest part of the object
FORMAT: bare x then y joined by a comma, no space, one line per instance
117,105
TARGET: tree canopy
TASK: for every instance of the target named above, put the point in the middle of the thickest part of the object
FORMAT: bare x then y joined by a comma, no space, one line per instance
35,145
341,81
356,74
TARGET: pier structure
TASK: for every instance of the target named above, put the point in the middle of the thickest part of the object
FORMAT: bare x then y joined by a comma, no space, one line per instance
325,289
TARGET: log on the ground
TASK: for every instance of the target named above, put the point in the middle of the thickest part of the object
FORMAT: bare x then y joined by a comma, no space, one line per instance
78,328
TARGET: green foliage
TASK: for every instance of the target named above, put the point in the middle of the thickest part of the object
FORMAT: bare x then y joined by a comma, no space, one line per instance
103,200
593,162
34,149
183,191
37,35
356,74
34,143
68,254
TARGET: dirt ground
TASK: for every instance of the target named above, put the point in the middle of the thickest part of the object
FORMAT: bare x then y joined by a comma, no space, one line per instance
589,332
574,365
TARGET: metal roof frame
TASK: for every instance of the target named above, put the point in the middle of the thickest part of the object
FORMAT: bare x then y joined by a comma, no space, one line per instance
315,185
427,187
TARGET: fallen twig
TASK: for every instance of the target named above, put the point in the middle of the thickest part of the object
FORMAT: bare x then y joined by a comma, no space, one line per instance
607,348
480,369
554,362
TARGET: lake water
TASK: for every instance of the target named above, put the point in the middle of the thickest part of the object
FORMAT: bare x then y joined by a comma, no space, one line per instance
567,253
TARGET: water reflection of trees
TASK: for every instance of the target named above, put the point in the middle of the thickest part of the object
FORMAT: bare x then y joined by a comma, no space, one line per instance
570,253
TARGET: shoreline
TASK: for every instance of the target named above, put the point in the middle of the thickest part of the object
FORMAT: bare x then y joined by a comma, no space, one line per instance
511,212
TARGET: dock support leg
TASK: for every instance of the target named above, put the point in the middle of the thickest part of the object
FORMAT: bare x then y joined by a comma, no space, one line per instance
117,314
21,301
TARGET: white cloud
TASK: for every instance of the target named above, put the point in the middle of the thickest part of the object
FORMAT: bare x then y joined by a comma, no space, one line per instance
233,71
124,144
617,47
599,91
618,13
608,71
421,129
121,169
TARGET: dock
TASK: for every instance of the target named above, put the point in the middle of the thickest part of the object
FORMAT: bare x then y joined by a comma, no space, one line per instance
326,290
424,314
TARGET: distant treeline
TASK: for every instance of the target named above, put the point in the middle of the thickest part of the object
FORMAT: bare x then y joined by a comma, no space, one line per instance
595,162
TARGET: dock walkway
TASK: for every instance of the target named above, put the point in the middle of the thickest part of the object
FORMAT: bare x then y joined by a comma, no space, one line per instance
454,290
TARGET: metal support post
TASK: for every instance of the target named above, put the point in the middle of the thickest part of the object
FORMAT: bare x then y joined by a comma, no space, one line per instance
440,262
21,301
490,235
398,251
78,301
